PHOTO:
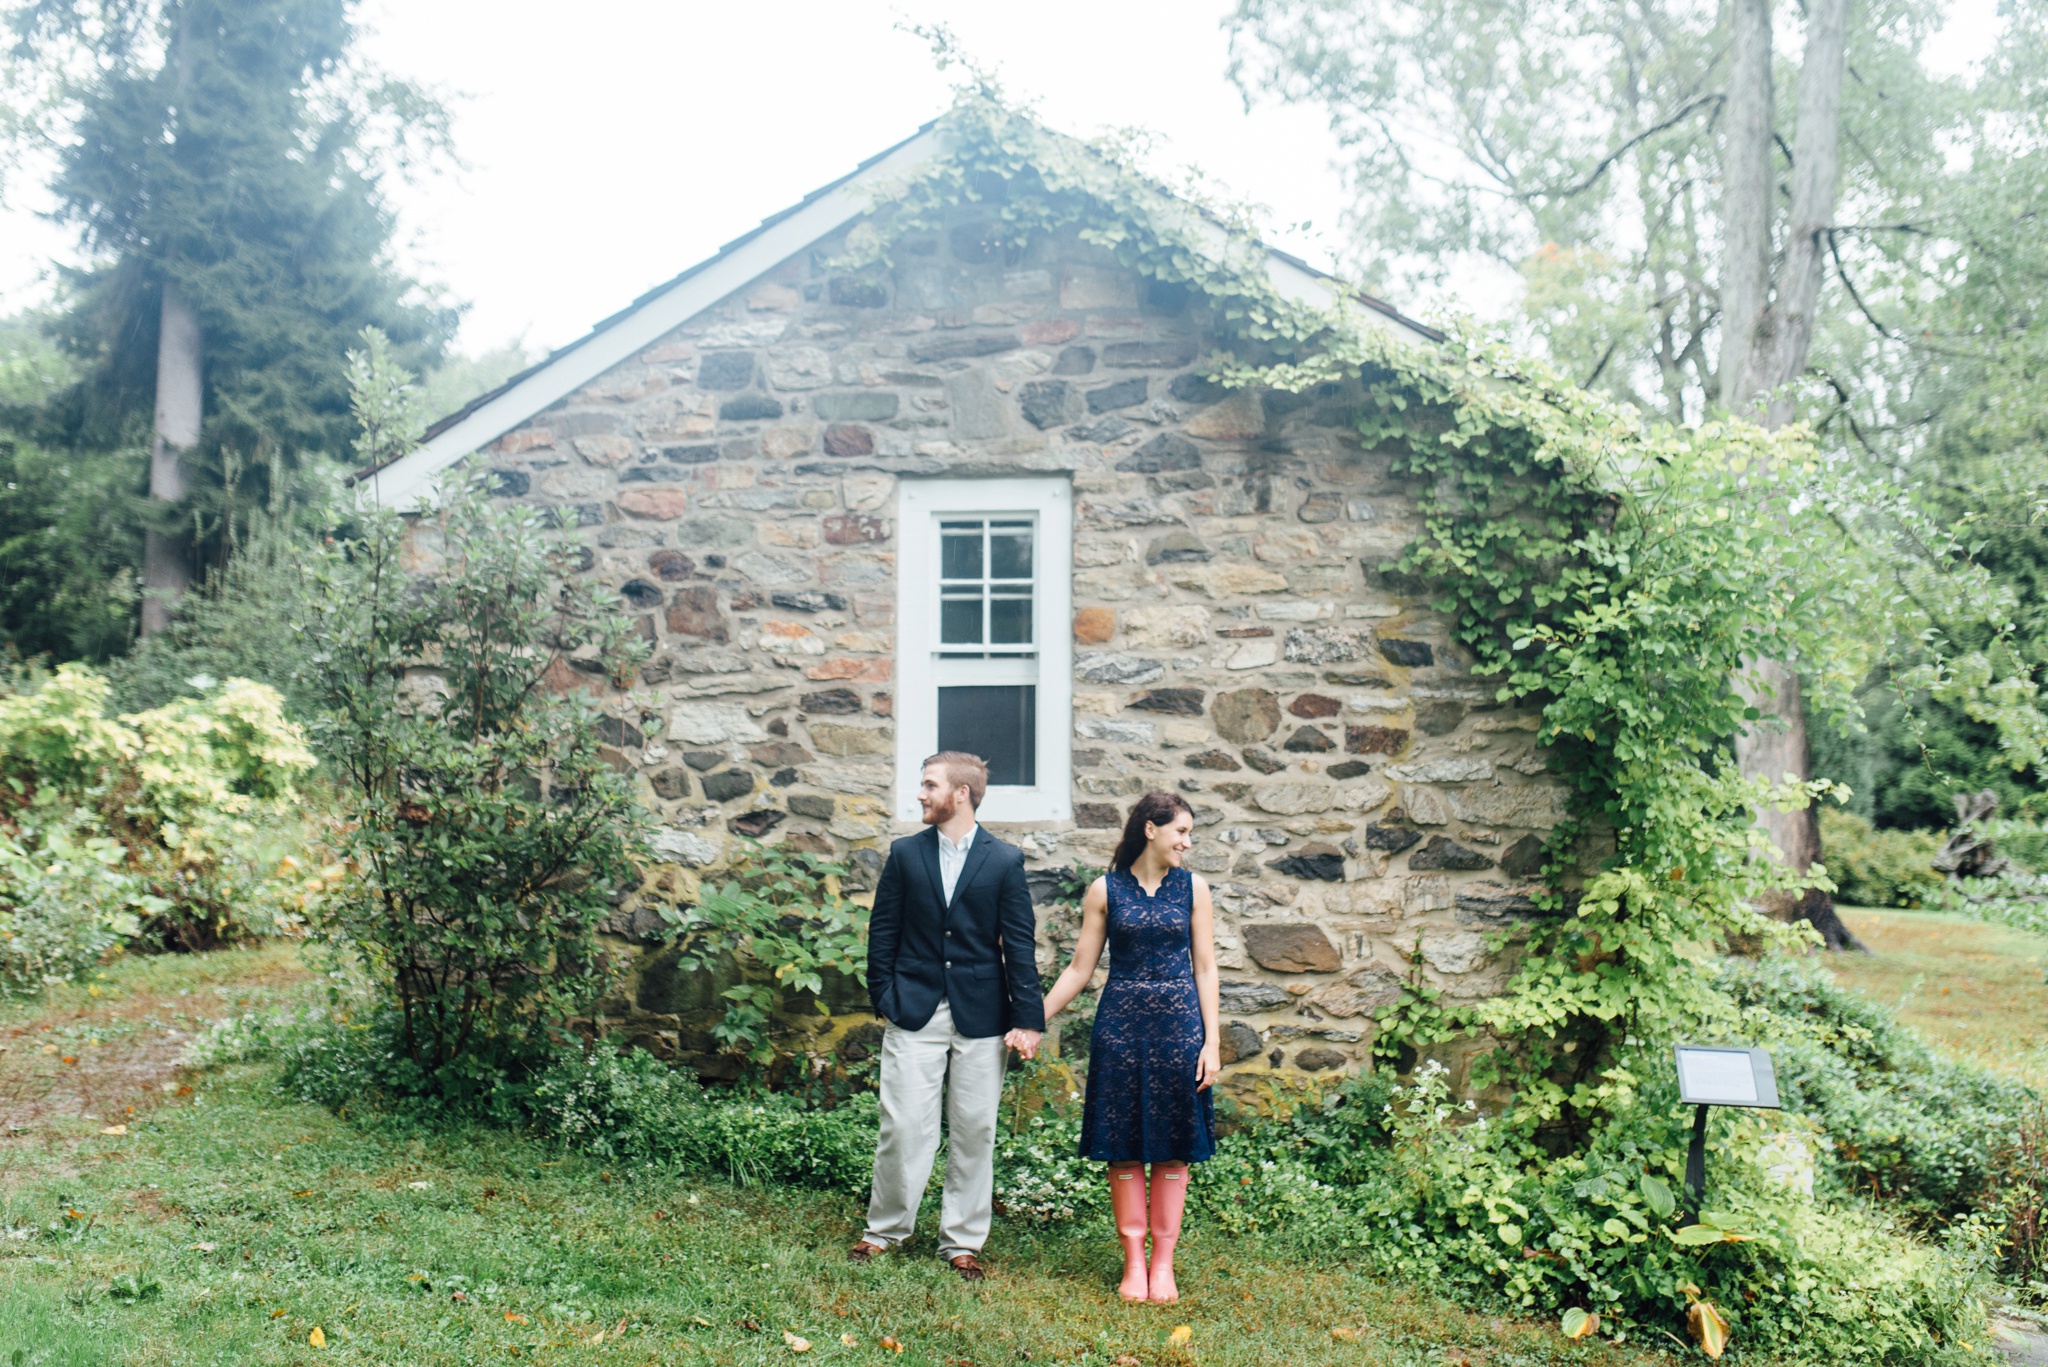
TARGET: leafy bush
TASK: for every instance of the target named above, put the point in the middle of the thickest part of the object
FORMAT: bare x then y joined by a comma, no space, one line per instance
1903,1124
634,1107
66,899
200,796
1875,868
2024,842
2013,898
485,831
781,913
2020,1205
238,622
257,1036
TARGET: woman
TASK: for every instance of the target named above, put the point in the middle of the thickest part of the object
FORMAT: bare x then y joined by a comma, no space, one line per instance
1154,1051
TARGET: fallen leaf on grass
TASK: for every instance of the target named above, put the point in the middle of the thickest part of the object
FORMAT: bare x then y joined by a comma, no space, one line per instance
512,1318
115,1129
317,1338
420,1186
1580,1324
891,1344
1344,1333
1124,1360
699,1319
849,1340
797,1343
205,1248
277,1314
1180,1335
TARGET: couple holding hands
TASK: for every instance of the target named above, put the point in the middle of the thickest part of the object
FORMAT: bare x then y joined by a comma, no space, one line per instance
952,968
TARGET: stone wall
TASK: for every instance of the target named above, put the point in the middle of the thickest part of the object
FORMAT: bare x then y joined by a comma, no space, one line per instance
1364,811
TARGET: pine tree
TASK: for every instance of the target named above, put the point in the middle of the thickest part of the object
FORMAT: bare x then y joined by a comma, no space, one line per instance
222,162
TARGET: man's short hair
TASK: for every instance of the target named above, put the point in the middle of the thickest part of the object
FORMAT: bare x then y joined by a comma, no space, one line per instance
962,769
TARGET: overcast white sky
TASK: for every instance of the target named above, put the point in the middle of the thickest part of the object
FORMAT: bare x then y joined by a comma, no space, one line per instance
611,143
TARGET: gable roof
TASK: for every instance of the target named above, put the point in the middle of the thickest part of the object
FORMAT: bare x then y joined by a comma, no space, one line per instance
402,482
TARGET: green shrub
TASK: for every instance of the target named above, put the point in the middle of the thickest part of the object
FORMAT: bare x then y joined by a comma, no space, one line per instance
200,797
1873,868
781,916
2024,842
484,830
1904,1125
635,1107
2019,1204
66,899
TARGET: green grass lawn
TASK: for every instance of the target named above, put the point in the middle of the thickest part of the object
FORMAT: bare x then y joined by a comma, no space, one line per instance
226,1226
1977,992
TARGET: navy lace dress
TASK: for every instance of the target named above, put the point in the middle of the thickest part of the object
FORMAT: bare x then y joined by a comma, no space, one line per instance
1142,1104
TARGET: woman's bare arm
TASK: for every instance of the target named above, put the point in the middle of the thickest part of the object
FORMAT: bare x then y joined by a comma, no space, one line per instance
1087,949
1207,987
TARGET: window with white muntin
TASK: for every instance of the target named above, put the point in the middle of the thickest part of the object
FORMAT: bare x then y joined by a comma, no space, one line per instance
984,658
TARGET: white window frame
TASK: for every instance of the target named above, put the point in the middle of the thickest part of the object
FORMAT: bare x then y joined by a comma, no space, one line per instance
919,506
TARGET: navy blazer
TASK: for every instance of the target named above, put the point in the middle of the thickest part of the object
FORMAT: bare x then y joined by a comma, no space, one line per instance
979,952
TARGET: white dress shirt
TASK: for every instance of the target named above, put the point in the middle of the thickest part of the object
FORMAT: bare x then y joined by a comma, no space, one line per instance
953,858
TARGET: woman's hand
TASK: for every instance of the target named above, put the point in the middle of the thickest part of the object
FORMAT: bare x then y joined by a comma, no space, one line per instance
1209,1066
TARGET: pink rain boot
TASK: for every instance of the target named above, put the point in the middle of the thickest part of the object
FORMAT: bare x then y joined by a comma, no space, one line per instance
1169,1199
1127,1204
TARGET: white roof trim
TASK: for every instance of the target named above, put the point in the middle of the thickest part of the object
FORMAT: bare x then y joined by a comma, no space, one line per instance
414,478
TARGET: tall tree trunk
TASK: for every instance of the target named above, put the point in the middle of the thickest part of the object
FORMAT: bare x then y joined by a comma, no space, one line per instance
1746,184
1764,344
1781,347
180,399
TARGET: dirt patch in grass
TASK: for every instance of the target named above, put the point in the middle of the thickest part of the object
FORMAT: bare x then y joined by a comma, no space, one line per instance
1977,992
106,1050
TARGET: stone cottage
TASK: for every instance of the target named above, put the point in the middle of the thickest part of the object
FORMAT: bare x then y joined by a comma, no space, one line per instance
986,498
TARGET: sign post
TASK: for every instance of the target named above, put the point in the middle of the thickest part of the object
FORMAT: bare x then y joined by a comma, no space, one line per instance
1719,1075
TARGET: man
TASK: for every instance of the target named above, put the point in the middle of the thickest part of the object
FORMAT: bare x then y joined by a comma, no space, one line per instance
952,967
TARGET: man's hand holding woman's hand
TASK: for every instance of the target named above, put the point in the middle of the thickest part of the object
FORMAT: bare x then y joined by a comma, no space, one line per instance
1024,1042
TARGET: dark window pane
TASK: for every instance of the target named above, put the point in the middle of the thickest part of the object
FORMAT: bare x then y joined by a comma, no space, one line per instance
999,723
960,621
1009,556
960,555
1009,622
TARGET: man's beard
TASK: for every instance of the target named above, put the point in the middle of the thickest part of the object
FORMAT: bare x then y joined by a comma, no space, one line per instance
940,812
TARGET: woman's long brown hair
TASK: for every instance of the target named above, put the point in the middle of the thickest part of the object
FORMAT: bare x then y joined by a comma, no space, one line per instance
1157,808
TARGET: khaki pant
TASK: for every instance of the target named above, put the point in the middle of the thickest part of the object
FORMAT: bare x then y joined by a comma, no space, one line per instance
917,1065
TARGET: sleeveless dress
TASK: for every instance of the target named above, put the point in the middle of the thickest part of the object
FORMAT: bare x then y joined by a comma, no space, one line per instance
1142,1104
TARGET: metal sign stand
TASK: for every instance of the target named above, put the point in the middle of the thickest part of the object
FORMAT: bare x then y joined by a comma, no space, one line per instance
1718,1075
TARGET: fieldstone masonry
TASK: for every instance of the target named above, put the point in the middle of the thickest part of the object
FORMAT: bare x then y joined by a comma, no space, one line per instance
1366,813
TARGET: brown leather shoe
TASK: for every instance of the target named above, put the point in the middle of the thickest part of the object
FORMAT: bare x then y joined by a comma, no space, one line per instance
862,1252
969,1268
